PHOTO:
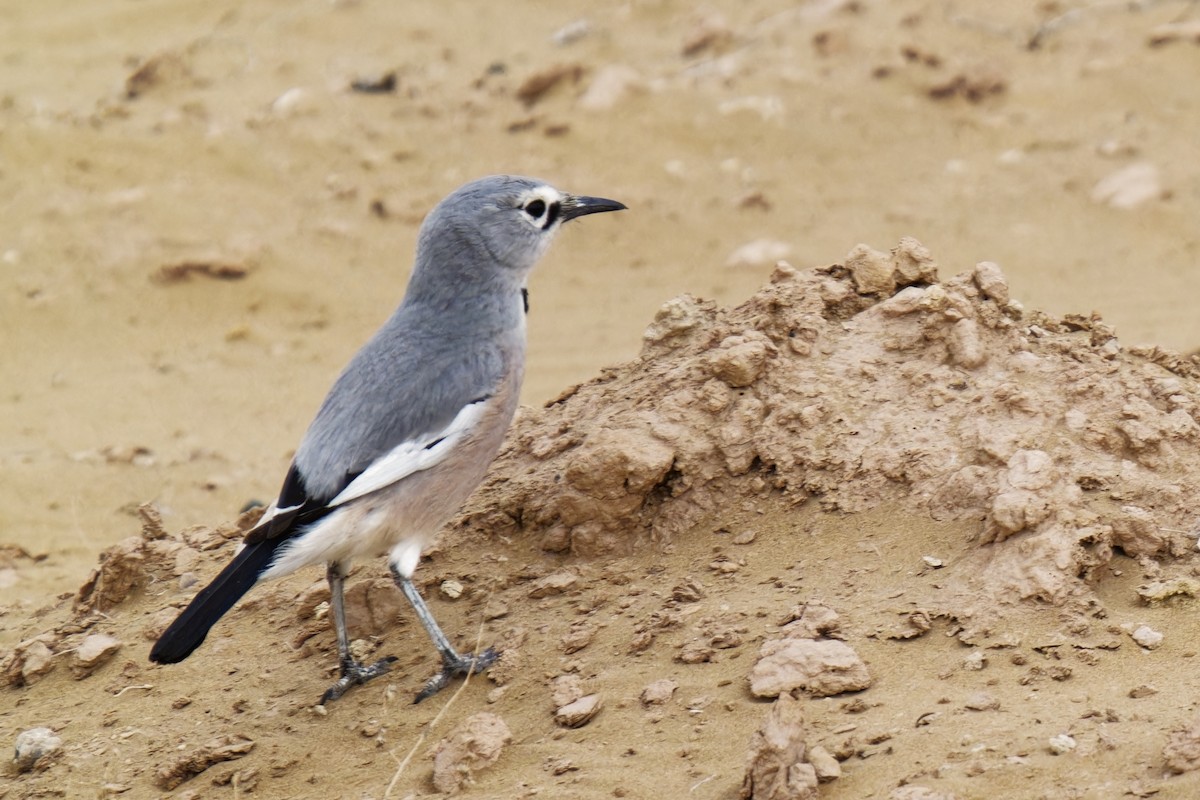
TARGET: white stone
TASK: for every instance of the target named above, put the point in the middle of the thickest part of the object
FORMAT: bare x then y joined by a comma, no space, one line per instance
758,253
1147,637
1062,744
1129,187
34,744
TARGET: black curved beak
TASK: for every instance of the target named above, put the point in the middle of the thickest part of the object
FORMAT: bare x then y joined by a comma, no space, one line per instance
579,206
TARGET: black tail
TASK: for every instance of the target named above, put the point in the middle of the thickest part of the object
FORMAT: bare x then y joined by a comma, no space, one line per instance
188,630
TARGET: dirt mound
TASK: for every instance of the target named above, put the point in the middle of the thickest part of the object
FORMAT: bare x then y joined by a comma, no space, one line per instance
863,384
660,547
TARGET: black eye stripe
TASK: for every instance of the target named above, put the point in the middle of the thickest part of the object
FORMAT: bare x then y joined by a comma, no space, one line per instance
539,210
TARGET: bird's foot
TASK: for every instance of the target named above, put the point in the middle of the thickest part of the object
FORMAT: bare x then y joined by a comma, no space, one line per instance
355,674
456,666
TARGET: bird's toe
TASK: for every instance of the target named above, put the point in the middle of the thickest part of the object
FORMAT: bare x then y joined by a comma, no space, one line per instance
457,666
355,674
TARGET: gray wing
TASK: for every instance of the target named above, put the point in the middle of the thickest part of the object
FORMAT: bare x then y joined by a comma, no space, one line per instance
406,383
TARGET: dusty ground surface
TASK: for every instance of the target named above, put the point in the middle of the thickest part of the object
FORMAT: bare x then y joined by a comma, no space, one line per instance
202,220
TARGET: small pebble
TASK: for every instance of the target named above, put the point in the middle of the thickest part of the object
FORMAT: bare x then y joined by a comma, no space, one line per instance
982,701
1062,744
745,537
824,764
1129,187
1147,637
33,745
758,253
658,692
93,651
580,712
572,32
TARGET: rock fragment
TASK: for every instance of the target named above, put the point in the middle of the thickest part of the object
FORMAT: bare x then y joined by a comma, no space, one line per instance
475,744
164,68
820,667
94,650
572,32
121,569
187,766
777,765
1182,751
676,317
758,252
709,33
619,464
966,345
28,663
689,590
552,584
740,359
913,263
1159,591
871,270
1061,744
982,701
34,748
1129,187
542,82
1137,532
991,281
1147,637
579,637
580,712
824,764
567,689
811,621
658,692
1188,30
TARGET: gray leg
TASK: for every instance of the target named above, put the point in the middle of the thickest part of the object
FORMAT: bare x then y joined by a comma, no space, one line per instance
453,664
353,673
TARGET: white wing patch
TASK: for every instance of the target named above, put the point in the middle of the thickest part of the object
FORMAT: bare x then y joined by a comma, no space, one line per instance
413,455
272,511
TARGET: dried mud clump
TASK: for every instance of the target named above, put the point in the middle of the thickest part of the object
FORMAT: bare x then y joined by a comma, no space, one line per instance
474,745
864,383
778,767
1182,752
196,760
808,657
127,565
125,569
35,749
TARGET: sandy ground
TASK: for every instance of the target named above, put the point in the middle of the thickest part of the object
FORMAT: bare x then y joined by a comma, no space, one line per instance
201,221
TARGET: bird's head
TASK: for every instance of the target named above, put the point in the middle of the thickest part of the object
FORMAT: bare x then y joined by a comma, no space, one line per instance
505,222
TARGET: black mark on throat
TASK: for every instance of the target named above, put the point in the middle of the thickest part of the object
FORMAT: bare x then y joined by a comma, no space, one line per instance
525,298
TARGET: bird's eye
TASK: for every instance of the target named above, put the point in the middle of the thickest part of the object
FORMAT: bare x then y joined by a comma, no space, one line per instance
535,208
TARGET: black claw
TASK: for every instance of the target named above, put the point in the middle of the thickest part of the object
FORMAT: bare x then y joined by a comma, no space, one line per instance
457,667
356,674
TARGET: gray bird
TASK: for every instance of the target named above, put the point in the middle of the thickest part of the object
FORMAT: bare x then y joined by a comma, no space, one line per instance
411,425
